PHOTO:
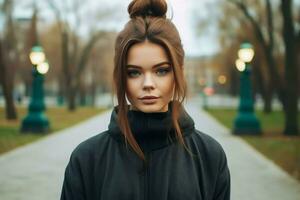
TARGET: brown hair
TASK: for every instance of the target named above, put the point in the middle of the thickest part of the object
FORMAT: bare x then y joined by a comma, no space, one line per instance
148,22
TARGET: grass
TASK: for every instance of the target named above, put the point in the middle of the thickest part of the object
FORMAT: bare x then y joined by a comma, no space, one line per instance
283,150
59,118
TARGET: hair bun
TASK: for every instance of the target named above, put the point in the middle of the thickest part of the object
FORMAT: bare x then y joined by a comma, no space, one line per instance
156,8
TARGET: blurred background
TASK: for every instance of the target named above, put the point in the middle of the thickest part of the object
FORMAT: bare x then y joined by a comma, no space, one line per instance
56,59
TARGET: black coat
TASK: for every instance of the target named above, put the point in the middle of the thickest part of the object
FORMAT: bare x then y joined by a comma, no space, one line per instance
102,168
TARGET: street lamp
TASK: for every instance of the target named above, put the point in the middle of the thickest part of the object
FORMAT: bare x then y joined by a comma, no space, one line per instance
43,67
36,121
246,122
240,65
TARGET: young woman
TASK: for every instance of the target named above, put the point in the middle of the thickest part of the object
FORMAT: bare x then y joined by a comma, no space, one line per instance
151,149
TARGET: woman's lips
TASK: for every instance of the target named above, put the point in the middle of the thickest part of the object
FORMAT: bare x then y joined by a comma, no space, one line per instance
149,100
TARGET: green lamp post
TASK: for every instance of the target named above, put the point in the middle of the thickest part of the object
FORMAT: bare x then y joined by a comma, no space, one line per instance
36,120
246,122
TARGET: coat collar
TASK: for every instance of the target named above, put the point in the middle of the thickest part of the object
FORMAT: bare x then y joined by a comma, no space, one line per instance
151,130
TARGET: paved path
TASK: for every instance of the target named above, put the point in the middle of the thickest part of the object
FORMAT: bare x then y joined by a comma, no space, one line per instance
35,171
254,177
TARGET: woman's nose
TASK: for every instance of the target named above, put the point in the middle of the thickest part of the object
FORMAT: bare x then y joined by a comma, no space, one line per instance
148,82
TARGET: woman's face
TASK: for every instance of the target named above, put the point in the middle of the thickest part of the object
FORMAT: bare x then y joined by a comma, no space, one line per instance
150,78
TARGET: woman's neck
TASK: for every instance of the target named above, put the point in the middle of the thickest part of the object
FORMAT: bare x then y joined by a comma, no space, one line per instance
133,108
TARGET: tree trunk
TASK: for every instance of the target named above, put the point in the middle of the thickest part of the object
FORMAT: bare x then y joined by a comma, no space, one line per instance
93,94
268,102
291,70
263,87
275,79
268,87
266,92
67,73
7,87
60,93
82,95
71,99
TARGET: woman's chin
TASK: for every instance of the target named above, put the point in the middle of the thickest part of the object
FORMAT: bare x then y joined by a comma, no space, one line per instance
152,108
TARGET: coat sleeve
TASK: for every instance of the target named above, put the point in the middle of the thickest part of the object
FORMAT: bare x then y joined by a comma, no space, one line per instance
222,191
73,187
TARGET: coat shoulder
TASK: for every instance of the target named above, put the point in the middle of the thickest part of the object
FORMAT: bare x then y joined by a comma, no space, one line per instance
91,145
208,145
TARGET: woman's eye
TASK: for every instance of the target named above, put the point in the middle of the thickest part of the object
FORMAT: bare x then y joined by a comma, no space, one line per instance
163,71
133,73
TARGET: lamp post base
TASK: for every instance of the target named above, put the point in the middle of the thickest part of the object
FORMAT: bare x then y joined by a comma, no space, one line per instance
36,120
246,124
35,123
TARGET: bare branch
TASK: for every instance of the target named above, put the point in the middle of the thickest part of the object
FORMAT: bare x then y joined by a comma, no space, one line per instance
57,14
86,52
270,24
254,23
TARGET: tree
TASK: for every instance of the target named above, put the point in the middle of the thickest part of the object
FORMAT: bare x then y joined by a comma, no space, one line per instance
8,59
100,70
232,33
258,22
74,61
266,43
291,68
286,86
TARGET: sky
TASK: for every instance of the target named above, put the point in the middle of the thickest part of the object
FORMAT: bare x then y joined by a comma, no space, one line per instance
181,12
184,19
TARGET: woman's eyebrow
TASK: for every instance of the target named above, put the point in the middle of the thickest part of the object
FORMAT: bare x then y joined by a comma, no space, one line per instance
157,65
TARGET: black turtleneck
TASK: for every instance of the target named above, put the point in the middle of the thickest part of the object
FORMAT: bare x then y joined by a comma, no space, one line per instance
151,130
